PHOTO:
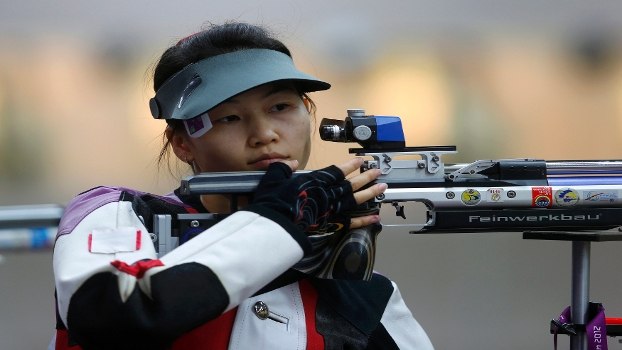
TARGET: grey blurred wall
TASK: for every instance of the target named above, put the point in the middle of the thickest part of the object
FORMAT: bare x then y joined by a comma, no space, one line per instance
499,79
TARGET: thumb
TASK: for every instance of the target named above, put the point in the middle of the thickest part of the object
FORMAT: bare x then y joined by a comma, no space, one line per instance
293,164
278,171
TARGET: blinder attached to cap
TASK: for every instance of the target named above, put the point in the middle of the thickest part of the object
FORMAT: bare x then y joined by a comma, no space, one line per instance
200,86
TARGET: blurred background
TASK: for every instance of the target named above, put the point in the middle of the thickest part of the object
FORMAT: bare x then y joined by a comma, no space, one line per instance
499,79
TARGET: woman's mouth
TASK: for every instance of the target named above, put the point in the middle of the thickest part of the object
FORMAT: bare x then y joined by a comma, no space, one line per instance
265,160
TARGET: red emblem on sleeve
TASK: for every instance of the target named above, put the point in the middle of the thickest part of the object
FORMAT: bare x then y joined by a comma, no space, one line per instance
138,269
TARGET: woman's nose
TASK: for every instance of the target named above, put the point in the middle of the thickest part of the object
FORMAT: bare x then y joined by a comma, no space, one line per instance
262,131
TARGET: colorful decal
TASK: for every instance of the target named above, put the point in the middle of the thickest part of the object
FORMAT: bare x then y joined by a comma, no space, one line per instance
567,197
542,197
495,195
198,126
471,197
600,196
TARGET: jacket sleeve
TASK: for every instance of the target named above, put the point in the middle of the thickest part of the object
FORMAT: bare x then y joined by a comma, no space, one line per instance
113,292
398,323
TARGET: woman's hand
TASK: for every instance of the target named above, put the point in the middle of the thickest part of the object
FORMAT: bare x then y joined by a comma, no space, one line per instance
318,199
359,181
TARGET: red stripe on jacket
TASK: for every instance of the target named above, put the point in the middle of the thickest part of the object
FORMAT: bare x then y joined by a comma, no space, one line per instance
62,341
315,341
212,335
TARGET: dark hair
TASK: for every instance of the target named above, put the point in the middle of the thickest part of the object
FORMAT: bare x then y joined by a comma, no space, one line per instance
212,41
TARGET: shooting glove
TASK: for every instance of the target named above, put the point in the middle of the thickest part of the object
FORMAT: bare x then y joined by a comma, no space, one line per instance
314,202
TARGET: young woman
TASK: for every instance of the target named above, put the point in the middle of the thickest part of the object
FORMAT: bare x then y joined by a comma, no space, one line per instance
233,101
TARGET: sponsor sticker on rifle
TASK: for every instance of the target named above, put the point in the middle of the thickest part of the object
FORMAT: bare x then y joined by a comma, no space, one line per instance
567,197
495,195
471,197
600,196
542,197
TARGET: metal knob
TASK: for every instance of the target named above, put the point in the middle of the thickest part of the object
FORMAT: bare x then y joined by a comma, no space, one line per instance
356,112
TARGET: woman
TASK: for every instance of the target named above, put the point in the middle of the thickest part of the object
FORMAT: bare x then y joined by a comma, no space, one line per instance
233,101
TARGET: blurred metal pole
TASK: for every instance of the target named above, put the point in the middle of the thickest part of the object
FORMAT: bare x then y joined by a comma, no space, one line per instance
29,226
580,291
27,238
23,216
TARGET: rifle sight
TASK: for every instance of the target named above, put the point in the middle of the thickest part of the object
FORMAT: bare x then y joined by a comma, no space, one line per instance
369,131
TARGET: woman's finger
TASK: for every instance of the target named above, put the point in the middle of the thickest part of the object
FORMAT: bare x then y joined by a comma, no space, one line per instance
350,166
363,179
369,193
364,221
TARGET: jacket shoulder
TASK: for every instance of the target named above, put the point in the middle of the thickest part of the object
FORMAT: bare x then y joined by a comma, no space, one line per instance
89,201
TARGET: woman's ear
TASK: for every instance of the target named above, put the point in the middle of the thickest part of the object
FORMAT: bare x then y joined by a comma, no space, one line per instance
307,103
179,145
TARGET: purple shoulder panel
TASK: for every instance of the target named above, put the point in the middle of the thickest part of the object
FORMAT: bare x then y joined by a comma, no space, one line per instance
173,199
88,201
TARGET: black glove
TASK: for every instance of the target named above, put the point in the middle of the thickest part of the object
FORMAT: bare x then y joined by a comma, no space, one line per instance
314,202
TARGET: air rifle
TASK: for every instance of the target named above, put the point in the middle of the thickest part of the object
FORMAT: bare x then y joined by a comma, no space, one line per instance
486,195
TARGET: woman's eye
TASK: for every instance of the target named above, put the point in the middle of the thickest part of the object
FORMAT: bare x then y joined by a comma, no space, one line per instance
279,107
227,119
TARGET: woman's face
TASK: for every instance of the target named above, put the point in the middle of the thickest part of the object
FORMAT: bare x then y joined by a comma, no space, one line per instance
251,130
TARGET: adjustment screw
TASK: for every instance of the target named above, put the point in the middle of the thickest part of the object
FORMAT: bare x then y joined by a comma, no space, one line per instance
450,195
194,223
420,165
380,197
511,194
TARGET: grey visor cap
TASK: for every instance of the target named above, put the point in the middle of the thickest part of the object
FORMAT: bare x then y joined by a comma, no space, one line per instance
202,85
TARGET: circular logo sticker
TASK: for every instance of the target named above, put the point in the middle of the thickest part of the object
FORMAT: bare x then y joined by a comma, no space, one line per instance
566,197
471,197
542,201
495,195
